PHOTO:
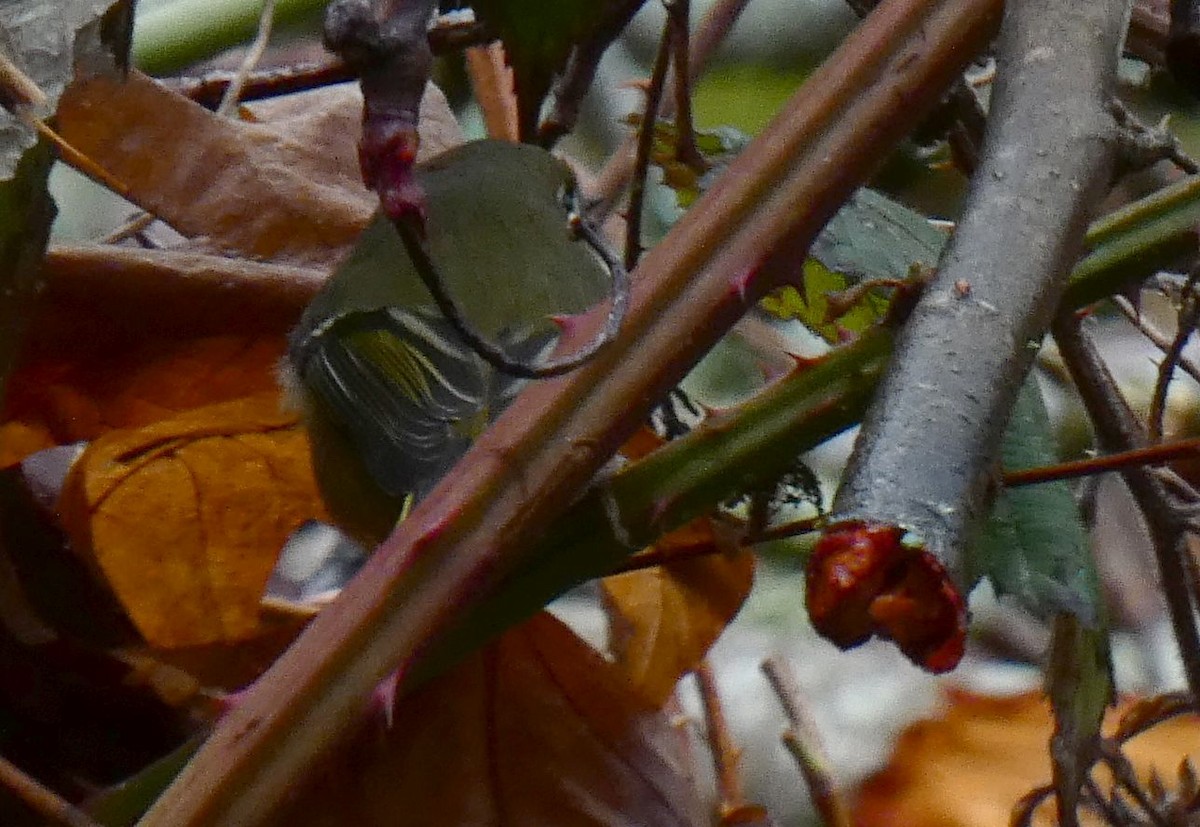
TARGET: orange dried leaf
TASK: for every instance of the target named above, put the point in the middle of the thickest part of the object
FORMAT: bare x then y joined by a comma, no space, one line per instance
20,439
185,517
971,766
664,619
138,383
535,729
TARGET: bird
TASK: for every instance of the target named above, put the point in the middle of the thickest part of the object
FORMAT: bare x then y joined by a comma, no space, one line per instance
391,392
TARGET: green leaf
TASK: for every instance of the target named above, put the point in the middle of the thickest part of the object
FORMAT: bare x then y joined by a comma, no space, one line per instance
718,146
810,303
873,237
1034,546
1079,683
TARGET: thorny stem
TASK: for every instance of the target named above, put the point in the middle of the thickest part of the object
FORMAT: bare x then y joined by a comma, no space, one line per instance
1117,429
480,523
961,106
1189,315
804,743
725,754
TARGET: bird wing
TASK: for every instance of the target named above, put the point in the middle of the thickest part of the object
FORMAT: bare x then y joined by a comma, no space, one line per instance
402,387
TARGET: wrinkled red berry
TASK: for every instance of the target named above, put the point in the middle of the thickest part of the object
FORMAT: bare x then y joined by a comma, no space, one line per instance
862,581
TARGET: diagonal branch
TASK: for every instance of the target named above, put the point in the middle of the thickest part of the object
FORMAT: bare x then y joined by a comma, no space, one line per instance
925,460
479,523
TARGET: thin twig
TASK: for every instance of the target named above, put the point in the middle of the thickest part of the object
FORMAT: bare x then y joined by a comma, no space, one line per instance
678,17
208,89
132,227
1139,457
725,754
1144,145
1125,776
645,142
620,168
1117,429
1159,339
254,54
44,801
1189,315
804,743
491,78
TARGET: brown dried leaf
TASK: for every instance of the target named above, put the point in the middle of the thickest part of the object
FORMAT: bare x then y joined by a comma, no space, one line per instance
968,768
286,190
664,619
186,516
535,729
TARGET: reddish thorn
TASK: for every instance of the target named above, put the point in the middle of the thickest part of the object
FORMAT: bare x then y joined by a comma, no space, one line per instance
741,282
383,698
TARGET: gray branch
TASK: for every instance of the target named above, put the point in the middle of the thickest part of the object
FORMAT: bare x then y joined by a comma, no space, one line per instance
926,457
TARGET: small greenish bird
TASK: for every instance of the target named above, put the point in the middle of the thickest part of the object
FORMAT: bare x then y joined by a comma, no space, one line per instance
392,393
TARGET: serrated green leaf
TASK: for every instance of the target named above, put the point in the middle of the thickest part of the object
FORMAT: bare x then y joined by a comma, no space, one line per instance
1034,546
810,304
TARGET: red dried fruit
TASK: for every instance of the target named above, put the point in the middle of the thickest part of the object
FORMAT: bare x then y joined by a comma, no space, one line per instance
862,581
386,155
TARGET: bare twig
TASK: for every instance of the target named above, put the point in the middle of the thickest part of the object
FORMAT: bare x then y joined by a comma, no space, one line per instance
1188,316
620,168
492,80
1140,457
254,54
1144,145
1159,339
925,457
645,142
1117,429
725,754
44,801
577,76
678,15
804,743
